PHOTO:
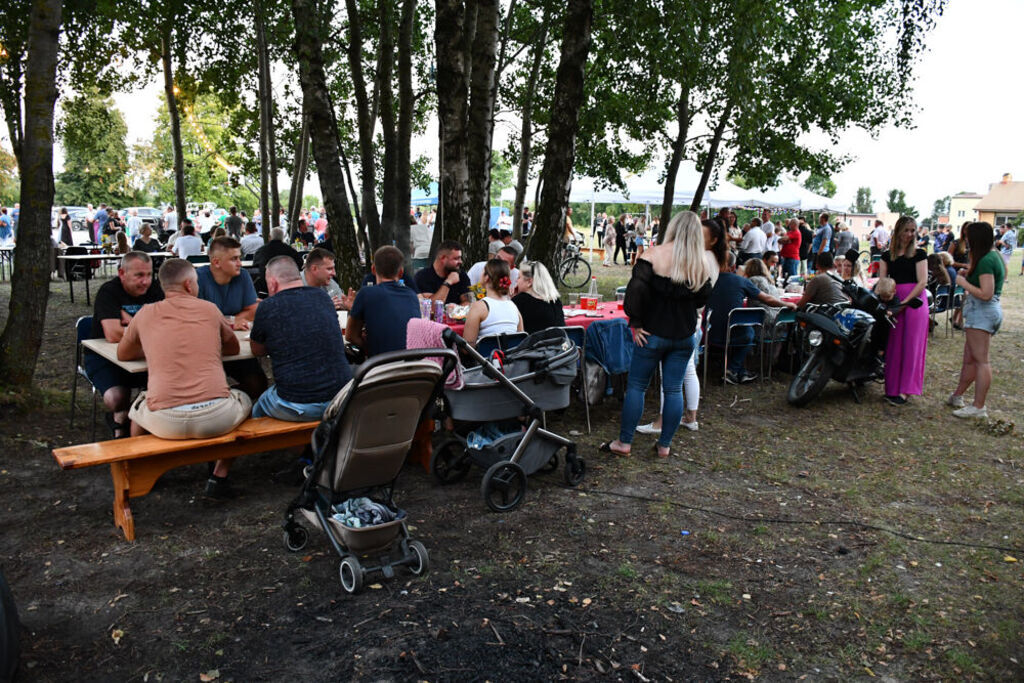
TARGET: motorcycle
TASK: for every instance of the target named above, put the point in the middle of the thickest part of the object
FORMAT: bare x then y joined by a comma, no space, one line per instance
845,342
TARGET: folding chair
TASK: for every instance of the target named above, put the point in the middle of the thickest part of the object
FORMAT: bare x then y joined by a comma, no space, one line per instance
577,334
752,317
939,304
83,328
702,348
486,345
956,302
78,270
784,324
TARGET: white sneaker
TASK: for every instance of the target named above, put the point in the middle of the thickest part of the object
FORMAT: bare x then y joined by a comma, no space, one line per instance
971,411
955,401
692,426
648,428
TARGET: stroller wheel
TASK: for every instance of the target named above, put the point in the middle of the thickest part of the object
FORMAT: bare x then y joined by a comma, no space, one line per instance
295,539
449,462
504,486
575,468
351,573
422,561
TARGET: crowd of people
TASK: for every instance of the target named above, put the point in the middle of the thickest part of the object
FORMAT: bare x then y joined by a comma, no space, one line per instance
698,265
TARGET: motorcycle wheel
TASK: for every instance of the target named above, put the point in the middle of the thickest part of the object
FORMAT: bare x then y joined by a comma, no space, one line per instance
812,377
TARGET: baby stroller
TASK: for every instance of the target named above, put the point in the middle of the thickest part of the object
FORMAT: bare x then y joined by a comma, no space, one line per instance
531,378
358,451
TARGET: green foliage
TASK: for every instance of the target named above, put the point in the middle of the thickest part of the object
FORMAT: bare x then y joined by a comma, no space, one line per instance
897,203
501,175
92,132
940,208
820,184
9,182
863,203
206,180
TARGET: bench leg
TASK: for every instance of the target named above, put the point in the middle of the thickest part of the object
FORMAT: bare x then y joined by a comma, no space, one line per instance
122,508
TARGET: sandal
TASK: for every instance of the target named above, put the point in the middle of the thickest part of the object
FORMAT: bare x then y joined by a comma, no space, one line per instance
606,447
123,427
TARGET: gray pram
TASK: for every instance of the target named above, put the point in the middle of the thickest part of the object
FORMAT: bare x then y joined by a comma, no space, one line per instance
358,452
533,377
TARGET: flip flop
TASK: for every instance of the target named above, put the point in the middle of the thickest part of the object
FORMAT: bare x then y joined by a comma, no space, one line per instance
606,447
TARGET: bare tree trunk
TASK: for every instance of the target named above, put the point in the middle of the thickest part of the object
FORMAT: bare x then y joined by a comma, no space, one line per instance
268,88
678,148
365,119
403,150
263,97
360,224
172,111
30,282
324,133
298,178
709,160
450,39
480,131
526,135
559,154
386,99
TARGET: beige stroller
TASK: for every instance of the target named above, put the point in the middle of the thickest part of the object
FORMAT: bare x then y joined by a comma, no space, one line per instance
358,452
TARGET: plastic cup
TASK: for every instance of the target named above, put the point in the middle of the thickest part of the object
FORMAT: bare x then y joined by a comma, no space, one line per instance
574,299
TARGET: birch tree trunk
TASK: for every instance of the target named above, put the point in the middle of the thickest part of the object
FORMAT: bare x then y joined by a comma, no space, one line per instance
30,282
480,131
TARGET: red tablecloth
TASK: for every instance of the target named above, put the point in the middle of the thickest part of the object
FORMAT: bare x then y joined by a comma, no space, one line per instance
609,311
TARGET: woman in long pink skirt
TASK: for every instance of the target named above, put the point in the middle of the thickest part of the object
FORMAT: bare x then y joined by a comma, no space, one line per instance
908,342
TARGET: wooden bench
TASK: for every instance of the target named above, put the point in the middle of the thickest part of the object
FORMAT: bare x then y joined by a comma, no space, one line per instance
137,462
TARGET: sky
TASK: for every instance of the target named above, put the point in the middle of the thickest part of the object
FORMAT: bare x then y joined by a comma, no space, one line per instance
968,98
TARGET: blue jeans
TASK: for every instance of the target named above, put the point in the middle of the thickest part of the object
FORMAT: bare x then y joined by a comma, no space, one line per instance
272,405
791,266
673,355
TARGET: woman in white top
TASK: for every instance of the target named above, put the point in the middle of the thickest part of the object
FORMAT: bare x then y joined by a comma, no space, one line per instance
495,313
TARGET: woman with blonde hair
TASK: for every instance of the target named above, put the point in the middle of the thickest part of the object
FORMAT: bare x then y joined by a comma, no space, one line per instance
495,313
670,283
537,298
905,352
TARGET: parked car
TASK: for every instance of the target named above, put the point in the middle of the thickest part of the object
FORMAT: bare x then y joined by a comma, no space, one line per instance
150,216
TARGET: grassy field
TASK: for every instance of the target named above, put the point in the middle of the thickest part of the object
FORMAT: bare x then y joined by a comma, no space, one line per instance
839,541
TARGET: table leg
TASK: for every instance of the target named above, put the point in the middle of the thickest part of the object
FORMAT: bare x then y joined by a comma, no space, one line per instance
87,302
122,508
71,287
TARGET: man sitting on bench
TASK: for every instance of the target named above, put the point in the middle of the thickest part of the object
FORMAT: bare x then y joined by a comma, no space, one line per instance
184,339
116,302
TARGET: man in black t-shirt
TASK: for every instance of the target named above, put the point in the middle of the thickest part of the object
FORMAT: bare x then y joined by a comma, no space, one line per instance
117,301
298,328
444,280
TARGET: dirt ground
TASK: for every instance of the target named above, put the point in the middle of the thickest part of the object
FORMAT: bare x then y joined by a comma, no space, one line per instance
756,551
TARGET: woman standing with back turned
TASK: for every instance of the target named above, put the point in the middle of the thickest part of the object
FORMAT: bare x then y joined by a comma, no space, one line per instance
983,284
670,282
905,353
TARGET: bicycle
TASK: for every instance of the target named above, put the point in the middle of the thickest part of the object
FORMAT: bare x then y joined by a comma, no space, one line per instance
573,270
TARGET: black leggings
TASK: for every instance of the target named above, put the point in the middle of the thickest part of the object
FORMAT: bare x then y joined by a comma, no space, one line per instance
620,245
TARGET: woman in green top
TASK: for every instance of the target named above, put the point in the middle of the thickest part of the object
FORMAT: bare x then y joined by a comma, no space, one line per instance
983,283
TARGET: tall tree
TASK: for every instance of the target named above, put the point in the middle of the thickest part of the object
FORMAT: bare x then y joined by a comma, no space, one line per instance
820,184
897,203
324,134
940,208
556,176
30,283
863,203
96,164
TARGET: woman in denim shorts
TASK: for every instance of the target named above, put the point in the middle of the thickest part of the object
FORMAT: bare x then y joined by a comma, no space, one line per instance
983,284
